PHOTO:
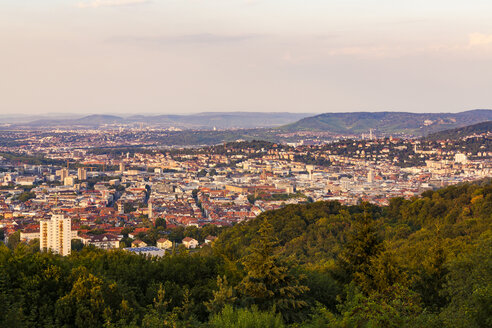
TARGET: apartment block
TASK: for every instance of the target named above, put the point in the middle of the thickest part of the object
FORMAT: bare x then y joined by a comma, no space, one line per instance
56,235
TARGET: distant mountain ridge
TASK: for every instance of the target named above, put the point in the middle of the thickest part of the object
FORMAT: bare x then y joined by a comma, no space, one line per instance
388,122
345,124
241,120
463,132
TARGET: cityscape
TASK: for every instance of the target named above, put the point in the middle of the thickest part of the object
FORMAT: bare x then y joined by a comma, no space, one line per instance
245,164
114,190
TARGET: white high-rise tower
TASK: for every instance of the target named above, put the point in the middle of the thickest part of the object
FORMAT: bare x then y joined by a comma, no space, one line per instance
370,176
56,235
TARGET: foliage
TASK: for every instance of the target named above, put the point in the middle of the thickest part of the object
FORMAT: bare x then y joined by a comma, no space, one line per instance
274,197
76,245
201,173
223,296
25,196
422,262
13,240
268,282
245,318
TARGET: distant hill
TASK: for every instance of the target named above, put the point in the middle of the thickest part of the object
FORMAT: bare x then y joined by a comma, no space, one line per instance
459,133
91,120
240,120
388,122
220,120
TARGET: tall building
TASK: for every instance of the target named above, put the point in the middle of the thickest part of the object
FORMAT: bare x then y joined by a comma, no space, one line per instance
122,167
62,173
56,235
310,169
82,173
151,214
121,207
370,176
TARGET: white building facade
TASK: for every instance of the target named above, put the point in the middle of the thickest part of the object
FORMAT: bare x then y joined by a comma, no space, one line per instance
56,235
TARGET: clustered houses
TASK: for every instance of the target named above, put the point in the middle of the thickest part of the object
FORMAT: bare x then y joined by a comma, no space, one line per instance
104,241
118,199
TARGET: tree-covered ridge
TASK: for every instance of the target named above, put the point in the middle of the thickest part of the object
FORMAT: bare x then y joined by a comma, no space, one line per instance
318,231
454,134
405,261
423,262
388,122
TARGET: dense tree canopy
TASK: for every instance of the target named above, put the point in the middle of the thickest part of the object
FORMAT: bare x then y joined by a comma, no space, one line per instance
423,262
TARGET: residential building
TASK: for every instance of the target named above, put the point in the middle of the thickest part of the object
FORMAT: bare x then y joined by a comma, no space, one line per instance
189,242
104,241
164,243
56,234
138,243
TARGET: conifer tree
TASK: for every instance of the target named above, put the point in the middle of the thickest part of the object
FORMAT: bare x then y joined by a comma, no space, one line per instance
223,296
269,282
363,245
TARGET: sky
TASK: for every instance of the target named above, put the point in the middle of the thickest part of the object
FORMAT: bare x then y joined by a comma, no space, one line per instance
189,56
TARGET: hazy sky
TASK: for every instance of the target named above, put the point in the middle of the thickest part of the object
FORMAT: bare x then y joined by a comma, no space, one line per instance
181,56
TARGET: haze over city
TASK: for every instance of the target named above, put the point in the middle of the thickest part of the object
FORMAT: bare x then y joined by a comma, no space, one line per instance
139,56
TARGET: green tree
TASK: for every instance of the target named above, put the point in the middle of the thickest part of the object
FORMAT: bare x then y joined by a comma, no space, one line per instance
468,287
25,196
85,305
160,223
223,296
128,208
431,275
158,315
14,240
398,309
245,318
77,245
268,282
363,245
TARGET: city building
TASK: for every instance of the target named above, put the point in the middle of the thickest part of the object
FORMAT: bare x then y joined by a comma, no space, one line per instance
164,243
460,158
56,235
104,241
62,173
68,181
82,173
151,250
189,242
138,243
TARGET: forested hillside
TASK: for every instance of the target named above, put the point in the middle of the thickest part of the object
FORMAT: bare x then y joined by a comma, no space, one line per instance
455,134
388,122
424,262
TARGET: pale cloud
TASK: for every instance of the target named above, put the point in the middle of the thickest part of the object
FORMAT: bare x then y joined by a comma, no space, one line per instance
111,3
252,2
368,51
203,38
479,39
